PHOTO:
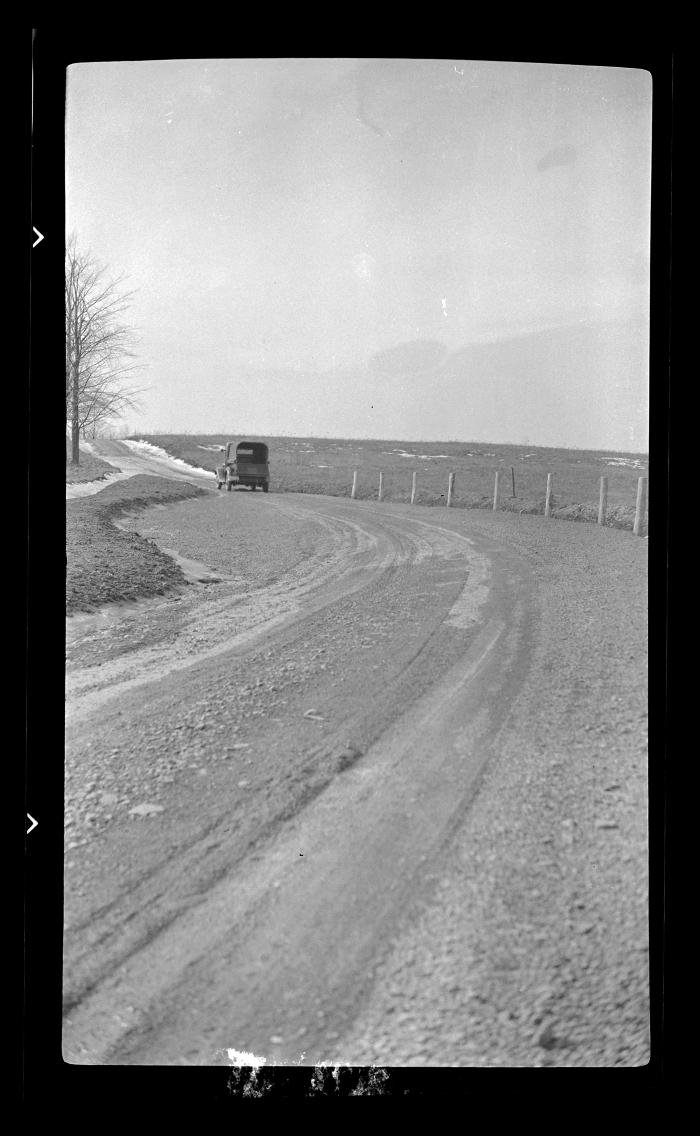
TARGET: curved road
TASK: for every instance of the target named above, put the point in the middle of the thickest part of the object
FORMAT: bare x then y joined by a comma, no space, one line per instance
303,757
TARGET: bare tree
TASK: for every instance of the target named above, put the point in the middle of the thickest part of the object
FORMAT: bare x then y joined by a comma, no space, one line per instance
98,348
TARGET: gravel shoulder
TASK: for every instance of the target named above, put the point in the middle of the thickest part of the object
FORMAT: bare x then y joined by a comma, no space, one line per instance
533,949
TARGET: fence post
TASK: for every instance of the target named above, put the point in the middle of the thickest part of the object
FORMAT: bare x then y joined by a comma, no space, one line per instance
413,488
641,505
354,484
603,504
495,490
381,486
450,487
512,475
548,498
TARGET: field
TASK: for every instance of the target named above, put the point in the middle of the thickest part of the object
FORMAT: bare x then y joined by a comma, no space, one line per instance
326,465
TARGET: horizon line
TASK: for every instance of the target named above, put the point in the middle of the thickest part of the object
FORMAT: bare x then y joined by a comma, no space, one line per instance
252,434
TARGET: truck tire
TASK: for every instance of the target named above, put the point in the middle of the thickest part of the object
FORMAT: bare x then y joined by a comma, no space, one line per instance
266,487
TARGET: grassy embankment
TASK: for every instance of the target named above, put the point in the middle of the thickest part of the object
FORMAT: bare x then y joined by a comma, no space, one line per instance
106,565
325,466
91,468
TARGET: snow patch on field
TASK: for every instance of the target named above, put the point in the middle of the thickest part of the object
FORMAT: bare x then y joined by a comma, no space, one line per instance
163,455
408,454
631,463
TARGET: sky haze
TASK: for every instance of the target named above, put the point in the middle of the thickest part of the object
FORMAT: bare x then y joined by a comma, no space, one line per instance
408,249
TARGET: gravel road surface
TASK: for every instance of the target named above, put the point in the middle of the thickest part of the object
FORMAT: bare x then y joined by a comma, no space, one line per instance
371,790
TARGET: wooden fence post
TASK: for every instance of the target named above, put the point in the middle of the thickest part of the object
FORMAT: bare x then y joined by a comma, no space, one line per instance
450,487
548,498
495,490
381,486
354,484
413,488
603,504
641,506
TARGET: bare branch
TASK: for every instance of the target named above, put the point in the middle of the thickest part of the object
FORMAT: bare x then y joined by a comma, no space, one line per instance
98,345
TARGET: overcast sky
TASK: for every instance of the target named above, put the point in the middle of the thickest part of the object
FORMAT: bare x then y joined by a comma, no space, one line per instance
404,249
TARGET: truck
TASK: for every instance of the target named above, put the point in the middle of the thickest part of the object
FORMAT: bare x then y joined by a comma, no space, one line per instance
245,463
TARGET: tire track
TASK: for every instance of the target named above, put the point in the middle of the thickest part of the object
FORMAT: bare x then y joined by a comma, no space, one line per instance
160,942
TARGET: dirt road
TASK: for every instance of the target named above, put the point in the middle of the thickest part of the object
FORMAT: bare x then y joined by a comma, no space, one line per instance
130,462
373,790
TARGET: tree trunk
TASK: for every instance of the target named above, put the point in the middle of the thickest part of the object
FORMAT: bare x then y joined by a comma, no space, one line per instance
75,424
